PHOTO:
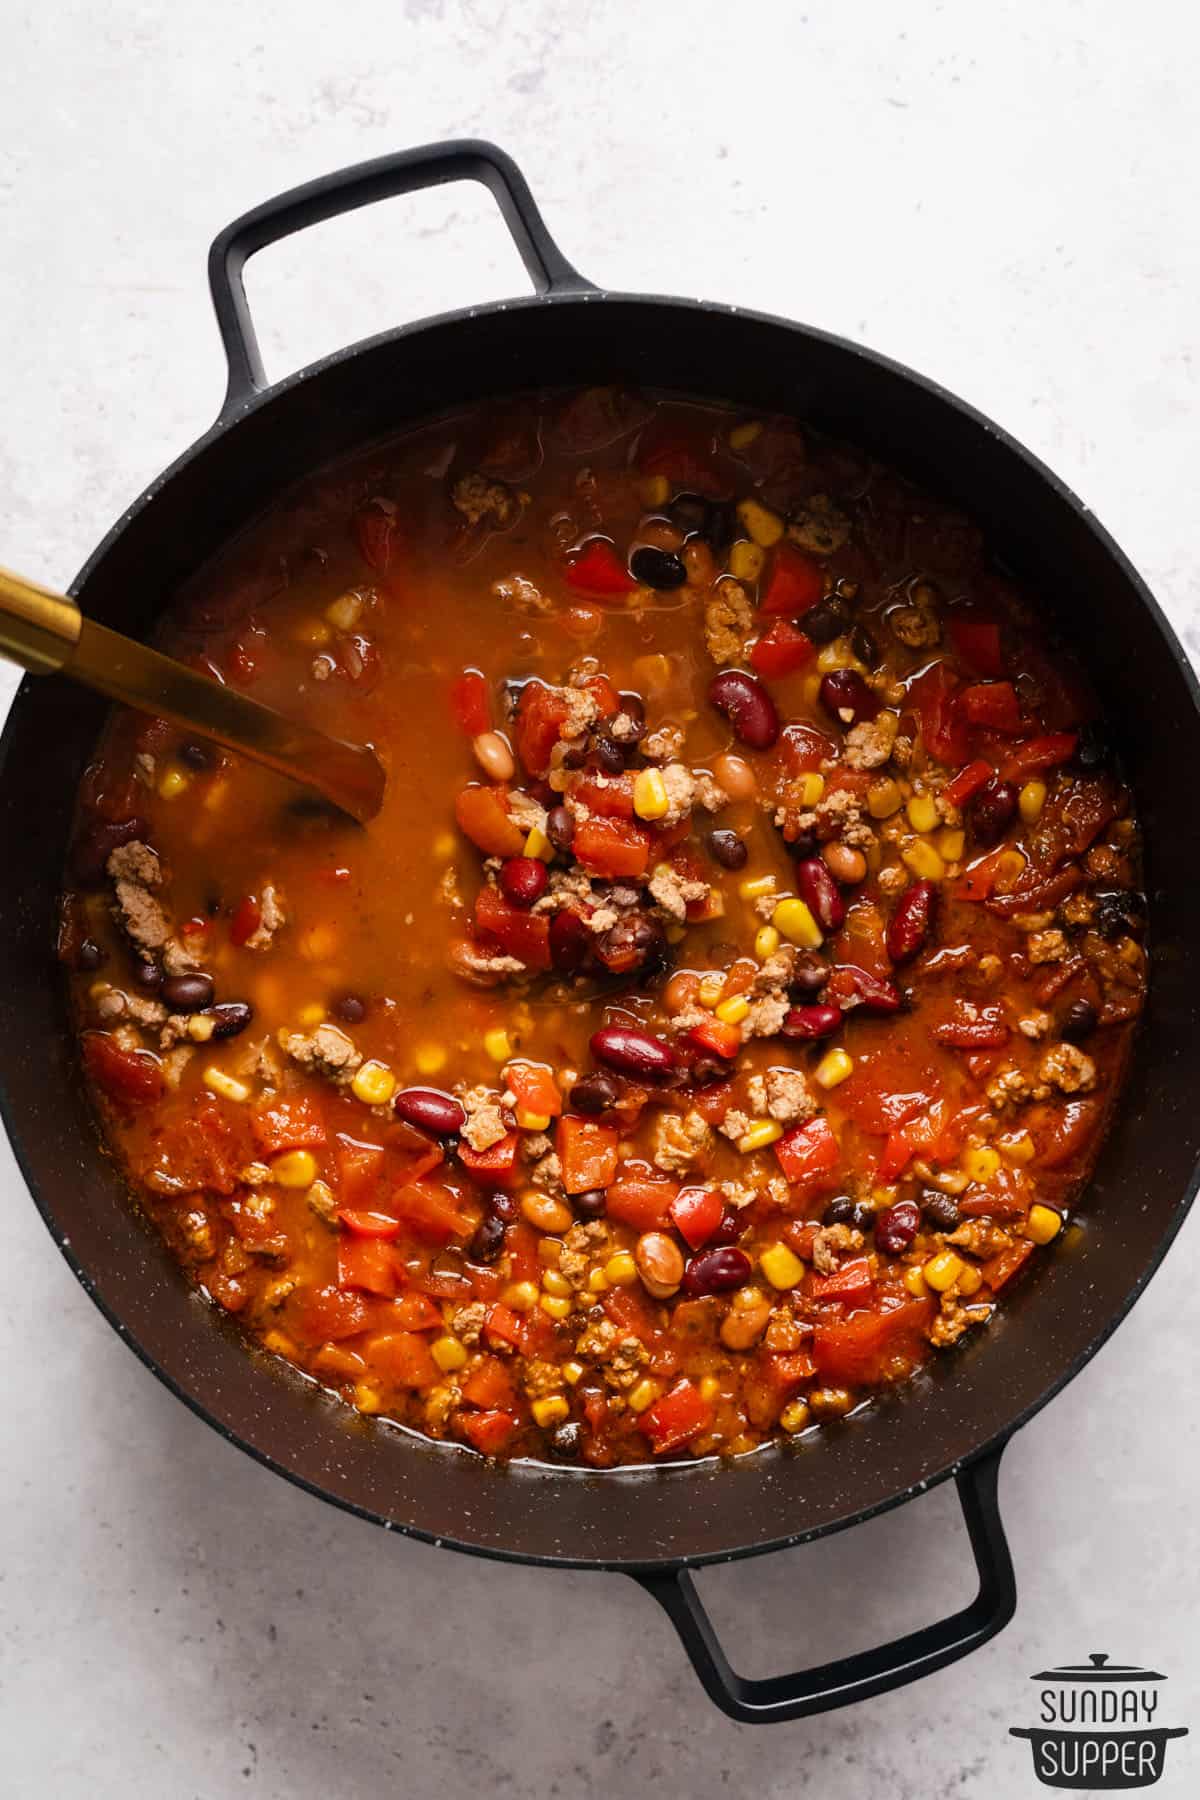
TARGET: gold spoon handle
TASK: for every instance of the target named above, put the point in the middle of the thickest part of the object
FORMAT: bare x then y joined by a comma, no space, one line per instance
45,632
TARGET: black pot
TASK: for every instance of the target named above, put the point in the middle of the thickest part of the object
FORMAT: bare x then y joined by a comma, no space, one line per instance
650,1524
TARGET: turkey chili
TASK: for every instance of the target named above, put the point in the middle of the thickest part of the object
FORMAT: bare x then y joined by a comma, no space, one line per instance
728,1002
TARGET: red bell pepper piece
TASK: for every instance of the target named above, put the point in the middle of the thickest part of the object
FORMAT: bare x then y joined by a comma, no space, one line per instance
808,1150
587,1150
968,781
504,1326
295,1124
999,1270
896,1155
718,1038
977,882
992,706
369,1224
329,1314
367,1263
469,702
597,569
488,1432
696,1213
853,1281
977,641
535,1088
933,696
781,651
489,1385
497,1164
434,1214
1038,754
682,453
795,582
416,1312
611,848
869,1347
677,1418
640,1201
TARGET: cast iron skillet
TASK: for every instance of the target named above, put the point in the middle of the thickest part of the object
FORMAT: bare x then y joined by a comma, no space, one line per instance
655,1524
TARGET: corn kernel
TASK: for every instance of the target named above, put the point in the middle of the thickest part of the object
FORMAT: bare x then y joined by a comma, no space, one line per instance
766,942
445,846
652,673
173,783
654,490
915,1282
764,526
943,1270
538,845
200,1029
744,435
833,1068
448,1353
429,1058
951,842
650,797
970,1280
711,989
598,1282
373,1084
314,634
746,561
710,1388
227,1086
344,612
368,1398
1043,1224
643,1395
922,812
531,1121
295,1169
795,1417
812,788
310,1016
675,934
733,1010
884,798
755,886
1010,866
279,1343
781,1266
980,1163
1031,800
572,1371
1018,1146
924,861
760,1134
621,1270
521,1296
556,1283
555,1306
794,921
552,1409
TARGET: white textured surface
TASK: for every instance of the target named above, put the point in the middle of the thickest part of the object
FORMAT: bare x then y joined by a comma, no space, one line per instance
1000,196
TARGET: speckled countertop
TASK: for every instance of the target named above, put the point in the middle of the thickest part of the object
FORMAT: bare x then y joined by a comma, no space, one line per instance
999,196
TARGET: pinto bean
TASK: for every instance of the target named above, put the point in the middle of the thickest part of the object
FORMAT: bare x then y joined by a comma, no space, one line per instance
745,702
632,1052
912,921
659,1263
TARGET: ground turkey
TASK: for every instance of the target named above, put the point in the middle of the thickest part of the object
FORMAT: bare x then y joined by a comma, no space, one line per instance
680,1141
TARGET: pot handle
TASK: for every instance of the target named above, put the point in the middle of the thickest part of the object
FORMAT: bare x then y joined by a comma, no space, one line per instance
850,1678
405,171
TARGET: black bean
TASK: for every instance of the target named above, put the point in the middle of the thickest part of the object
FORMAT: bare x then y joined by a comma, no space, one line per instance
1120,912
864,646
351,1009
594,1094
560,827
609,755
828,619
660,569
727,848
89,956
590,1205
839,1211
1079,1021
810,972
566,1440
940,1209
147,974
637,941
230,1017
196,756
633,706
574,756
187,993
721,524
488,1240
802,846
502,1206
689,513
1094,750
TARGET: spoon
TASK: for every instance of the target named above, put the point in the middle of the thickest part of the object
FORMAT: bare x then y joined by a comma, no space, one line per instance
47,634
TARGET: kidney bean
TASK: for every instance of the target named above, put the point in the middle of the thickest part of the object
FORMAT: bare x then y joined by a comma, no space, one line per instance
560,827
1079,1021
657,568
351,1009
590,1205
940,1209
187,993
729,1230
896,1227
523,879
96,843
820,894
717,1271
745,702
874,995
728,849
991,809
845,694
431,1110
912,921
827,620
230,1017
659,1263
594,1094
632,1052
706,1070
807,1022
569,941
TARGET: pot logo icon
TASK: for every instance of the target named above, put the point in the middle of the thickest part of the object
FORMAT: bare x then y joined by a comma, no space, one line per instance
1098,1726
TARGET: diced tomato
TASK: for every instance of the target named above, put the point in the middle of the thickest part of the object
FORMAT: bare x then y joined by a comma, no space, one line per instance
483,816
489,1385
247,917
968,781
368,1263
943,729
496,1165
971,1027
360,1173
205,1148
999,1270
597,569
1038,754
712,1103
515,931
489,1432
795,582
433,1214
853,1281
640,1201
993,706
611,848
721,1039
587,1150
132,1077
808,1150
696,1213
677,1418
781,651
608,701
470,703
633,1310
403,1359
410,1153
292,1124
977,882
977,641
896,1155
417,1312
540,714
787,1371
347,1365
503,1326
329,1314
535,1088
870,1347
802,748
799,1235
375,529
609,795
369,1224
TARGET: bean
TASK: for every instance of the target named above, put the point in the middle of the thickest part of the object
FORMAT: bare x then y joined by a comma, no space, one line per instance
819,891
717,1271
351,1009
864,646
488,1241
845,694
89,956
827,620
504,1206
689,512
1079,1021
659,1263
1120,912
803,845
560,827
661,569
632,1052
545,1213
594,1094
96,843
569,941
912,921
566,1440
632,705
1093,751
874,995
681,991
637,941
591,1205
744,1324
523,879
494,756
706,1071
230,1017
745,702
700,564
187,993
848,865
727,848
810,1022
608,754
991,809
896,1227
940,1209
147,974
735,775
845,1211
431,1110
810,972
195,756
729,1230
